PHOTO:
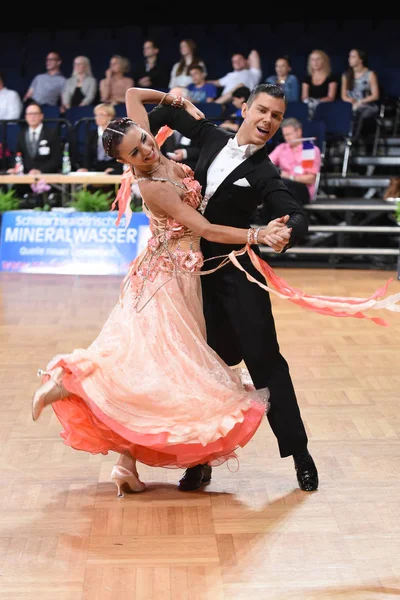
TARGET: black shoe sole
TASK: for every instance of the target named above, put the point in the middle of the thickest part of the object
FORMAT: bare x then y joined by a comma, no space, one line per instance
203,483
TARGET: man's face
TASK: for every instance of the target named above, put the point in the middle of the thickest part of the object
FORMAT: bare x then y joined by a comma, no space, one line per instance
239,62
33,116
149,50
291,133
197,76
52,61
262,119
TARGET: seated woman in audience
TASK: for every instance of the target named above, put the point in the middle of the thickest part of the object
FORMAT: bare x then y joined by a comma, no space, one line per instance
180,72
319,85
115,84
288,82
81,88
95,158
360,87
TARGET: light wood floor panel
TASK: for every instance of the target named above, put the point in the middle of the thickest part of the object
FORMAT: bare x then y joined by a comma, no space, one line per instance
64,535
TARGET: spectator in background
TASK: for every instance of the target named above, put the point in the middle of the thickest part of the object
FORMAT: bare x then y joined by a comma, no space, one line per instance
239,97
298,170
81,88
319,85
95,158
46,88
180,72
177,146
288,82
360,87
39,144
115,84
10,101
246,72
151,73
200,90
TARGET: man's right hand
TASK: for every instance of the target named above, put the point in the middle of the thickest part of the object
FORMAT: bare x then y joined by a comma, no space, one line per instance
276,234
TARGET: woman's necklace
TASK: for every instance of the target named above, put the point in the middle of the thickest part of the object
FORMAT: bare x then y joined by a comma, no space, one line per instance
153,171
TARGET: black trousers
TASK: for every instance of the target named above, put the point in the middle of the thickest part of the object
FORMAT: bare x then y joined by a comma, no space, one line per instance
240,326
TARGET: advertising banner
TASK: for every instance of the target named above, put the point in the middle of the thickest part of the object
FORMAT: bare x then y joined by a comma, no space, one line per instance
72,243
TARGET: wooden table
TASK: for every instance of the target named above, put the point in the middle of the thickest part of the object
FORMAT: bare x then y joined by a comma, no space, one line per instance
65,183
58,178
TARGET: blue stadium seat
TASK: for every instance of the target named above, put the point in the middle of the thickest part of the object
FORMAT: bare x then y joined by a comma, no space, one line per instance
75,113
51,112
297,110
210,109
337,116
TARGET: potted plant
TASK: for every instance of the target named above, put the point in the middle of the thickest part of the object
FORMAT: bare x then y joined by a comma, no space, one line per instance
87,201
8,201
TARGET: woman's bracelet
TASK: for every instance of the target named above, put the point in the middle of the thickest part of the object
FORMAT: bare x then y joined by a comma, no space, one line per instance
252,236
177,102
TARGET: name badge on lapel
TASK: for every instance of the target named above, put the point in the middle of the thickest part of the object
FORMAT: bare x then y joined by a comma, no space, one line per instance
44,149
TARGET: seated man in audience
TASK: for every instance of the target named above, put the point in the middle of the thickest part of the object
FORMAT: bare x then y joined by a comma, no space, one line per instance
39,145
239,97
200,90
47,88
246,71
150,72
298,159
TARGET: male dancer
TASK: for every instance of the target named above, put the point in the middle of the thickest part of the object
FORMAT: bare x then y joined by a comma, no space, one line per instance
236,176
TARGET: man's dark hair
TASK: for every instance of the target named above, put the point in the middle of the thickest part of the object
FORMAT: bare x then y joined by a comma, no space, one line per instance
33,103
266,88
241,92
198,67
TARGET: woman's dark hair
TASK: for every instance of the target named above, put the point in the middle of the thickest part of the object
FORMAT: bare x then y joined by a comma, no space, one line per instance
114,133
182,67
350,72
266,88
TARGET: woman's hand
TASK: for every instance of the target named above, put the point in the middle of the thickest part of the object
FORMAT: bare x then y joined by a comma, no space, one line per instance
276,234
193,110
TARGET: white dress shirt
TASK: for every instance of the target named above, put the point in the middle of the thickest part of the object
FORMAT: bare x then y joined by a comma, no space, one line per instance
230,157
10,104
37,131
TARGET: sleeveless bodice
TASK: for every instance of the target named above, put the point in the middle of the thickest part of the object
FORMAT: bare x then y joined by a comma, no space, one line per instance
172,248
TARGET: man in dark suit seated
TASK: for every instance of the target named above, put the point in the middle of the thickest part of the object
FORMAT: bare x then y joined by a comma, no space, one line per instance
39,144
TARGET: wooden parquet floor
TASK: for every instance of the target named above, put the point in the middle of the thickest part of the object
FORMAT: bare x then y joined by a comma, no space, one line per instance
251,534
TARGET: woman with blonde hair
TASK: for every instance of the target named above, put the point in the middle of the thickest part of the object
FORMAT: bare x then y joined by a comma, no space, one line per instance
81,88
115,84
319,85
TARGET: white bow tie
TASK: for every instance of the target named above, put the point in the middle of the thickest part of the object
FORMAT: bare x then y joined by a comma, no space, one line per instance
234,149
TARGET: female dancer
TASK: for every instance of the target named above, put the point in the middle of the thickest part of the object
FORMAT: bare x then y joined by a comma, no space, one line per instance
149,387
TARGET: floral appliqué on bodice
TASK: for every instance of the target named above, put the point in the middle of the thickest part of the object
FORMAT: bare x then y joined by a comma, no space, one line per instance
172,248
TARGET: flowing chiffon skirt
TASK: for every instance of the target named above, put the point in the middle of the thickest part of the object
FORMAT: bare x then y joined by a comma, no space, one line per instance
150,385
